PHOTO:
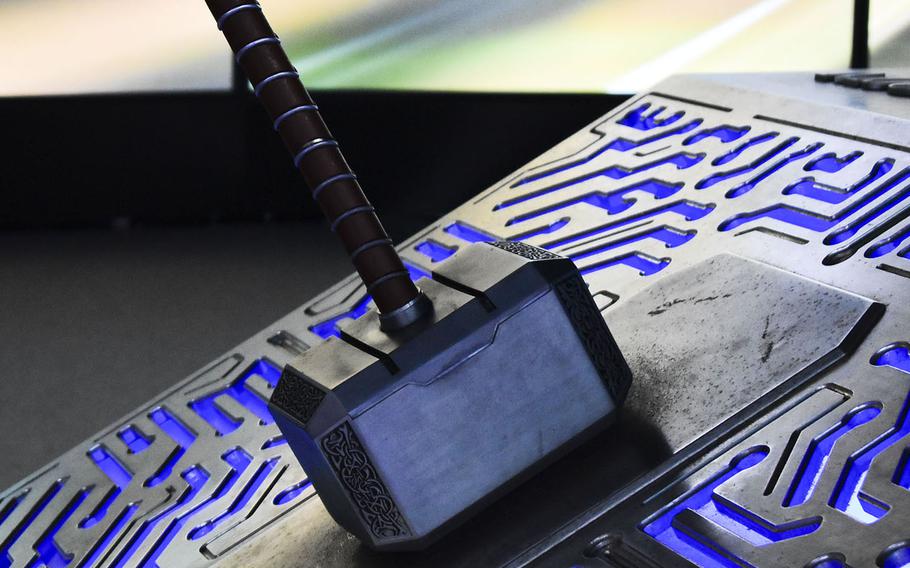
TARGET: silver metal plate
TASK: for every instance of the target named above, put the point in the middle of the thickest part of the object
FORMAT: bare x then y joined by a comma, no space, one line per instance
693,169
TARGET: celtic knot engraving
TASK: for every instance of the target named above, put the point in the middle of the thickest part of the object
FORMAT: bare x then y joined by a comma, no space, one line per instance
361,480
525,250
296,396
593,332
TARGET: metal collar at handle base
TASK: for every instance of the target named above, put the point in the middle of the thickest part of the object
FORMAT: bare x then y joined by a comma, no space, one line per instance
317,155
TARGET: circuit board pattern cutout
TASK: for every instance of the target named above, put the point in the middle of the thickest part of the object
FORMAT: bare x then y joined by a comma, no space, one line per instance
655,186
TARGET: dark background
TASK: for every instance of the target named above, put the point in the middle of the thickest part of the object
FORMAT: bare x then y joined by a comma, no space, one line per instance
143,235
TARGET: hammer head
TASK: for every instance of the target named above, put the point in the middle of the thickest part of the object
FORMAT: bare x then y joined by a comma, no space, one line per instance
407,434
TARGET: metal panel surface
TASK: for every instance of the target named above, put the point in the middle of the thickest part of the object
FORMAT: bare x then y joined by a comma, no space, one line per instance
808,468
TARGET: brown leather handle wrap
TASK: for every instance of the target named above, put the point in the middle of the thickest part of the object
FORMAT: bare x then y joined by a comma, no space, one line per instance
316,154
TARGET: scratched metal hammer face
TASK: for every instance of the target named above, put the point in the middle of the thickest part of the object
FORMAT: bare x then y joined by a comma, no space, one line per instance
452,391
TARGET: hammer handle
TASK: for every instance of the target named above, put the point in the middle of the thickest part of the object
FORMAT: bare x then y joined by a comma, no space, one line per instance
316,154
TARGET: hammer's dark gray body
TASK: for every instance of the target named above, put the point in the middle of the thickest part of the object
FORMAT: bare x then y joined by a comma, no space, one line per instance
404,436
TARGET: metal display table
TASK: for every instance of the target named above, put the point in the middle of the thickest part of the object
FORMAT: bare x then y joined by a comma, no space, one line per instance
748,241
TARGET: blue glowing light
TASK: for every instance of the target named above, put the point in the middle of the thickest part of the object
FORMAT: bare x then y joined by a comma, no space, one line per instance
195,478
897,558
724,133
697,552
134,439
179,433
813,465
749,185
329,327
850,230
848,495
274,442
832,194
239,461
689,210
644,265
746,526
118,525
11,506
239,502
208,408
6,560
831,163
636,118
469,233
285,496
624,144
434,250
49,554
734,153
217,418
890,244
116,472
809,219
896,356
111,466
670,236
542,230
682,161
619,145
612,202
751,166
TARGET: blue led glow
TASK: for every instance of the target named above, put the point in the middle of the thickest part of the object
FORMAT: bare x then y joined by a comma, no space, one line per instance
661,527
897,558
171,426
850,230
180,434
434,250
215,416
813,465
724,133
749,185
809,219
750,528
897,356
612,202
49,554
751,166
117,473
682,161
889,245
239,502
689,210
11,506
468,233
542,230
239,461
195,477
670,236
329,327
6,561
274,442
285,496
133,438
101,545
848,495
734,153
644,265
831,163
111,466
636,118
207,407
618,145
832,194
